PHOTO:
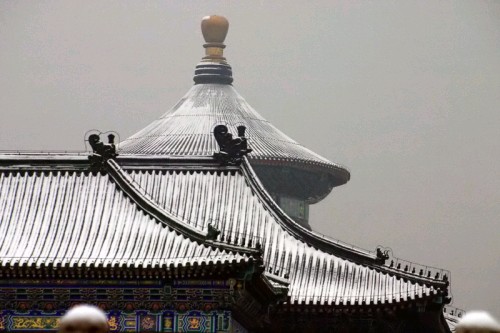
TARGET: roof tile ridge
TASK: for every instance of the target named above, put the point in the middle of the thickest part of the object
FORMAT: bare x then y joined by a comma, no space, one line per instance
49,157
143,200
173,115
299,160
333,247
7,154
291,226
141,271
441,279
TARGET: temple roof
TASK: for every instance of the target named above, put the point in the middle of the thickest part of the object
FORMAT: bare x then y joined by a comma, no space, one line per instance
159,201
73,218
139,212
186,129
320,270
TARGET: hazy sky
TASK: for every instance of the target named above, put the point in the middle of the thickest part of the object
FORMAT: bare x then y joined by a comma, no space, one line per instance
406,94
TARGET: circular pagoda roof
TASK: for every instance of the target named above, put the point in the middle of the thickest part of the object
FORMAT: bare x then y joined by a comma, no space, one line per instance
187,128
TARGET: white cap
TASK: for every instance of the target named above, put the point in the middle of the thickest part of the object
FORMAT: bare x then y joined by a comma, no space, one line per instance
479,320
85,312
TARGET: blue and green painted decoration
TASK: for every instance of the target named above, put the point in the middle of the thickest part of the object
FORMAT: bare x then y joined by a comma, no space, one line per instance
140,321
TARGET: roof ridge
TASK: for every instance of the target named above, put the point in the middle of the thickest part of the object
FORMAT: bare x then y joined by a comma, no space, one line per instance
286,222
330,246
84,192
143,200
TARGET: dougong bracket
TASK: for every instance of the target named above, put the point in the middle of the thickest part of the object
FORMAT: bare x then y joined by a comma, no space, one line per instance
101,151
231,151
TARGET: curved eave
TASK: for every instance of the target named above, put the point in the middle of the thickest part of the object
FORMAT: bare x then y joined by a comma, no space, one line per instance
49,267
319,241
142,199
360,303
49,162
302,233
340,249
145,162
317,178
340,173
186,130
337,175
151,207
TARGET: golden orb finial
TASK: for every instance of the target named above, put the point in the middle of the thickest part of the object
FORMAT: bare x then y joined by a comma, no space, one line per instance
213,67
214,29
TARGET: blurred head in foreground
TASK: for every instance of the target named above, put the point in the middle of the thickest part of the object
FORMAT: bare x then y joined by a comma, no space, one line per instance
478,322
84,319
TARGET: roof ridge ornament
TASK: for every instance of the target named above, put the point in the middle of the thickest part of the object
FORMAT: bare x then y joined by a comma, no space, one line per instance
382,253
231,151
101,152
213,67
212,232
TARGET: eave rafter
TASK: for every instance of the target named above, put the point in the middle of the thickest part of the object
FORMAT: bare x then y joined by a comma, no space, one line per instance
92,271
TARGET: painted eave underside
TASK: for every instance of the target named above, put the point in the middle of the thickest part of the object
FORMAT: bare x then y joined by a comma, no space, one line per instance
186,130
58,215
76,216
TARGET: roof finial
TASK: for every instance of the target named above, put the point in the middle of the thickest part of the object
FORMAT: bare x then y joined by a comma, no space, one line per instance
213,67
214,29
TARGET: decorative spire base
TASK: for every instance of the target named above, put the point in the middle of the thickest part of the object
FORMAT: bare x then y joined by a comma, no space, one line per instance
210,72
213,67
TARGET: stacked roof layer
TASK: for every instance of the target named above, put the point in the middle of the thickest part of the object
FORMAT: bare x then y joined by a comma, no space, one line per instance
230,201
187,130
77,218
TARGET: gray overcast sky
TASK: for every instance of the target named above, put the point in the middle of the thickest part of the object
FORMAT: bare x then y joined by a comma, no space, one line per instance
404,93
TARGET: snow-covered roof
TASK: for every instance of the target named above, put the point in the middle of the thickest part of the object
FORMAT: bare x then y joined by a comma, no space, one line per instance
320,271
58,215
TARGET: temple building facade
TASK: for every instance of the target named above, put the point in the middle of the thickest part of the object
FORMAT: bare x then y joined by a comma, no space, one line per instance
197,223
